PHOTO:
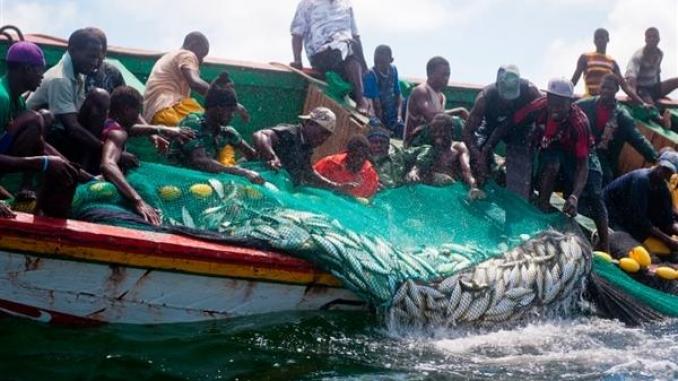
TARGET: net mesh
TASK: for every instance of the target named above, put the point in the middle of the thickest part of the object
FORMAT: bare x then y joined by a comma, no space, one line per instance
413,232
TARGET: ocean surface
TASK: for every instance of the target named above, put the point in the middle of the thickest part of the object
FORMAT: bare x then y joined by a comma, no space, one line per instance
337,346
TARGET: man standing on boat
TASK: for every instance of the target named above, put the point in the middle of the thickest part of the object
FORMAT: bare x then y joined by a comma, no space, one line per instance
427,100
328,31
562,136
612,126
644,68
22,147
595,65
495,106
290,147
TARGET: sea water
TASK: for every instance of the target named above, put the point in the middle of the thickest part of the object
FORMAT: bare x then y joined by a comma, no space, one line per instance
338,346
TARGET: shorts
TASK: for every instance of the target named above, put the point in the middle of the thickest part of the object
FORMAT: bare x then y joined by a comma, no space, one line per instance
330,60
654,91
172,116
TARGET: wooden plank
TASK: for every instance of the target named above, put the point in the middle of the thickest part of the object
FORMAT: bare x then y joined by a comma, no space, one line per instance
347,125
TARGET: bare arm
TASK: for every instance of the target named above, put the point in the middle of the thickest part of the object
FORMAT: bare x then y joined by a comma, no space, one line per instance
581,65
245,149
297,43
630,91
263,143
110,155
79,134
196,83
465,164
581,174
475,118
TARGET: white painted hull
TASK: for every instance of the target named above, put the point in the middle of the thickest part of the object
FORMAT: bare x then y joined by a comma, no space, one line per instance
50,289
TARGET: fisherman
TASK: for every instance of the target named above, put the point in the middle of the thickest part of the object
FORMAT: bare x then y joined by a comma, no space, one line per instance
495,106
22,147
386,158
213,133
63,92
612,126
353,166
92,115
382,90
106,76
290,147
427,100
562,136
125,107
595,65
442,162
639,203
643,70
329,33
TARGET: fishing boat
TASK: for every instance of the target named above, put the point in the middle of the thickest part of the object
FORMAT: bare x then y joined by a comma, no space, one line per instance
67,271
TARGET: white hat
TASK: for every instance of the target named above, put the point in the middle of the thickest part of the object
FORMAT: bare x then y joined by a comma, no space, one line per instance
322,116
561,87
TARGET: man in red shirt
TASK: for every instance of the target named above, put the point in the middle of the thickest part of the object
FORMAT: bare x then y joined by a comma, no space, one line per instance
562,137
351,167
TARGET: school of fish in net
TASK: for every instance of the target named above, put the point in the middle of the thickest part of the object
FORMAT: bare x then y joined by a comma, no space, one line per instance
426,286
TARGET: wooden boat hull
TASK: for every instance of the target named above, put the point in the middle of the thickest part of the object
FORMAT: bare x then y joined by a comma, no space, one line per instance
67,276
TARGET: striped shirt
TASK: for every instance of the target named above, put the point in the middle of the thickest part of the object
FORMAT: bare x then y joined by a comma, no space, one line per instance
597,65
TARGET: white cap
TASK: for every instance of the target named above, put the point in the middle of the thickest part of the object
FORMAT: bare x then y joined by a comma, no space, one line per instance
323,116
561,87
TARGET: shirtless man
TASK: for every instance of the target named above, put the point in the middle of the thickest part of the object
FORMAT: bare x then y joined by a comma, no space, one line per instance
427,99
444,161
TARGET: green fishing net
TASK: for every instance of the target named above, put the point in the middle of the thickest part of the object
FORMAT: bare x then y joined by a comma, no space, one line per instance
660,301
413,232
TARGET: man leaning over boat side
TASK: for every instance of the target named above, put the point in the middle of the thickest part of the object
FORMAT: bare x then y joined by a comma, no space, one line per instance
290,147
595,65
386,158
63,92
560,132
612,126
352,166
427,100
444,161
22,146
329,33
213,133
494,107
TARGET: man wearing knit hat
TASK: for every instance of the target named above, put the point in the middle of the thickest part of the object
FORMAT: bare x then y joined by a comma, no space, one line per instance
22,148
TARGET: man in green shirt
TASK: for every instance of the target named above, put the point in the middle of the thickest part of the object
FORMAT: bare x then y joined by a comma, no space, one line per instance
386,158
612,126
22,147
212,133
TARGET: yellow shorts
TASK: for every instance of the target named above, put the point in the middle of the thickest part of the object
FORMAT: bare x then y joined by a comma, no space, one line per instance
657,247
171,116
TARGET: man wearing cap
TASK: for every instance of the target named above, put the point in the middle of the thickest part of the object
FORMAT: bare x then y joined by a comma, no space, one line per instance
427,100
595,65
495,106
612,126
561,134
386,158
22,147
290,147
639,203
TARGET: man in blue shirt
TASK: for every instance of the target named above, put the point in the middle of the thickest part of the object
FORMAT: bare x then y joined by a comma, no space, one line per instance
639,203
382,90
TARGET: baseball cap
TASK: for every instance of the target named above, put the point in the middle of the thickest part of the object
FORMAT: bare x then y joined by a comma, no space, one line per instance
323,116
508,82
24,52
561,87
671,156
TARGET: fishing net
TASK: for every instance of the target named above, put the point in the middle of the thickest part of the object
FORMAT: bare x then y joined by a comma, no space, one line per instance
660,301
413,232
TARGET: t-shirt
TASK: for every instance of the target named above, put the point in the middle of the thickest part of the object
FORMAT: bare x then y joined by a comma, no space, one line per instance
293,151
334,168
324,24
61,90
9,108
384,89
204,138
572,136
167,86
106,77
597,65
634,205
645,72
